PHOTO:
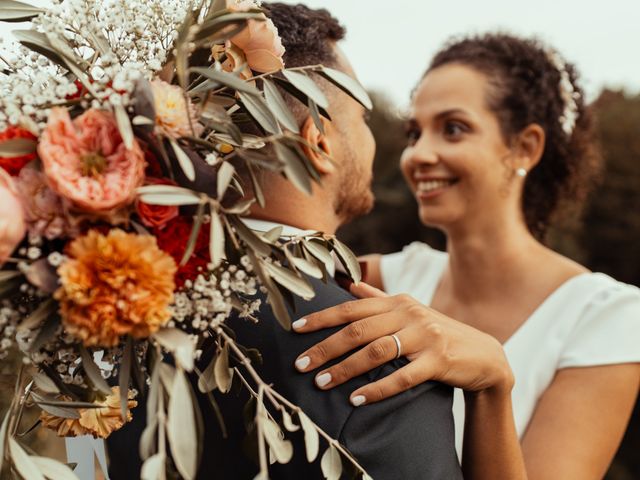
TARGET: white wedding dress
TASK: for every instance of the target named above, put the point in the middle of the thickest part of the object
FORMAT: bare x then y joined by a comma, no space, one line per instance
590,320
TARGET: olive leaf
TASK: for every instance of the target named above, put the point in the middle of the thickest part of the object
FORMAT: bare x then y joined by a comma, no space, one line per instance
17,147
274,296
214,25
179,344
93,372
223,374
307,267
44,383
181,427
216,240
46,333
289,280
294,168
53,469
124,126
24,464
3,434
306,85
207,379
225,174
273,235
167,195
193,235
183,160
13,11
348,259
279,106
282,449
124,376
320,252
147,439
348,85
287,421
315,115
259,110
38,316
297,94
311,437
9,274
250,238
226,79
331,464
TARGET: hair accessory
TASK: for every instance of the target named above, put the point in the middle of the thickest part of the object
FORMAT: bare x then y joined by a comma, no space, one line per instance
568,94
521,172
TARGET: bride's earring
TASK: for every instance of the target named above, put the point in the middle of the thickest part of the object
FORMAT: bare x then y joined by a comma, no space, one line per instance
521,172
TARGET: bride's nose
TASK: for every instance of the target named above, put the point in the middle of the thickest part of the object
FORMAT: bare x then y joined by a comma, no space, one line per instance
420,154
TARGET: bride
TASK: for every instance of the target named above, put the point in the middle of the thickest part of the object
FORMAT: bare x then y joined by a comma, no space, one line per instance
545,353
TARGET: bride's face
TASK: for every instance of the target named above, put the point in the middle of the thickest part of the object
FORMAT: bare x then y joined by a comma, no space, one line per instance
455,161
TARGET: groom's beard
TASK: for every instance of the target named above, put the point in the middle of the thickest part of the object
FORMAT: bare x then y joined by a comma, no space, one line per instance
354,197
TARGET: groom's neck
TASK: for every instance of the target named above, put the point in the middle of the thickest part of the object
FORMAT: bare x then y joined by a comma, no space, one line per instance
286,204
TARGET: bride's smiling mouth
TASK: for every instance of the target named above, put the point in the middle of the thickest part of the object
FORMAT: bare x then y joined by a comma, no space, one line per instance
429,188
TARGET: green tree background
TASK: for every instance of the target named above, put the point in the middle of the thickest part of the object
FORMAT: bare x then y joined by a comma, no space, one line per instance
606,239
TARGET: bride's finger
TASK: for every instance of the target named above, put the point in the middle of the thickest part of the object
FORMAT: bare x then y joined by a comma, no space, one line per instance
377,353
364,290
350,337
346,312
407,377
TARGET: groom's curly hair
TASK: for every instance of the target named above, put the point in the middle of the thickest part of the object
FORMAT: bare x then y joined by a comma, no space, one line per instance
524,90
307,34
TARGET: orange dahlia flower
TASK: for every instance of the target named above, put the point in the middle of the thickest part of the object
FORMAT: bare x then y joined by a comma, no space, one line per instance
99,422
113,285
87,162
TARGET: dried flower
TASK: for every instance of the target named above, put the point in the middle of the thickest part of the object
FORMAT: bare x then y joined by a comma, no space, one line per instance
46,213
260,41
12,224
13,165
87,162
113,285
99,422
175,115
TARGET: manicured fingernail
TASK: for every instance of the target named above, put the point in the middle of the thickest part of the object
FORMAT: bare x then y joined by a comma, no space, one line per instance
298,324
302,363
323,380
358,400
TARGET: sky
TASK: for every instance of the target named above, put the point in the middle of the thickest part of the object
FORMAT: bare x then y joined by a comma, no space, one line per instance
391,42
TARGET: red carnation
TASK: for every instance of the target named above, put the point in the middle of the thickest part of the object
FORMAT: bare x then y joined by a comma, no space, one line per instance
13,165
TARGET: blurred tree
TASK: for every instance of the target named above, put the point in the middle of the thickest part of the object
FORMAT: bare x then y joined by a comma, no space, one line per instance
605,240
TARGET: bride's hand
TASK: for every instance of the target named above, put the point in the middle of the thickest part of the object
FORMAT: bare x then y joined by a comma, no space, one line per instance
438,347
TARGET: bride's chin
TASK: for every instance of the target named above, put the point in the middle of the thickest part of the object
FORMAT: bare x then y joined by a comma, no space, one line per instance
434,217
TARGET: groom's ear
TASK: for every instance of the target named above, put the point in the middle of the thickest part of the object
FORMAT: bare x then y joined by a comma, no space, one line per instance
319,151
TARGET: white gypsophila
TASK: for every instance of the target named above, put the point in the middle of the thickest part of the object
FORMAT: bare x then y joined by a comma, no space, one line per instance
568,94
136,38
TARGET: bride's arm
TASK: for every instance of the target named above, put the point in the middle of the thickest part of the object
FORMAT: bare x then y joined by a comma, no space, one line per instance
372,274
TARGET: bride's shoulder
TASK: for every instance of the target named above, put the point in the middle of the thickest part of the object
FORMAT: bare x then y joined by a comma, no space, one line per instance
418,251
416,266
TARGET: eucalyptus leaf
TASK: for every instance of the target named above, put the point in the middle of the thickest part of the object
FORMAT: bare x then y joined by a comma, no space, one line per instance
179,344
207,379
307,267
289,280
93,372
223,373
347,84
226,79
124,126
53,469
24,463
225,174
153,467
13,11
181,427
281,448
306,85
47,332
3,434
124,377
183,160
17,147
216,240
348,259
259,110
294,168
279,106
311,438
331,464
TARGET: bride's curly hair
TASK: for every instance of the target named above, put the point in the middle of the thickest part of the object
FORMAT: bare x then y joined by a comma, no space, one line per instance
525,89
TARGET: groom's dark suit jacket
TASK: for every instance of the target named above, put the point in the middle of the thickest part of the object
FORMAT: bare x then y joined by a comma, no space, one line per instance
407,437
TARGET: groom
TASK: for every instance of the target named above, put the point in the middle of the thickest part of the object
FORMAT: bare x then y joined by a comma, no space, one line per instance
409,436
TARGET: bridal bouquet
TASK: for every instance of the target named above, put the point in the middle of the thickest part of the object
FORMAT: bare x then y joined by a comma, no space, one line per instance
124,129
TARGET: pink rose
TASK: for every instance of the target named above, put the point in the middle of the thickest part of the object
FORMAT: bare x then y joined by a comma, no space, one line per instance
12,224
86,161
260,41
156,216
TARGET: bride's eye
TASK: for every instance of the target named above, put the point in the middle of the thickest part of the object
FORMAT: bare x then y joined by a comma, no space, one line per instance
412,133
454,129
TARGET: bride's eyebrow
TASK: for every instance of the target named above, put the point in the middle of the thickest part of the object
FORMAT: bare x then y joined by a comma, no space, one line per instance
450,112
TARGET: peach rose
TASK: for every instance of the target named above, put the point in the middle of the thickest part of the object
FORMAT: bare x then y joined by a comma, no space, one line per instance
86,161
12,223
156,216
174,114
260,41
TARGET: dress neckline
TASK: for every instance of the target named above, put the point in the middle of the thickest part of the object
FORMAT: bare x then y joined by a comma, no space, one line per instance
541,306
